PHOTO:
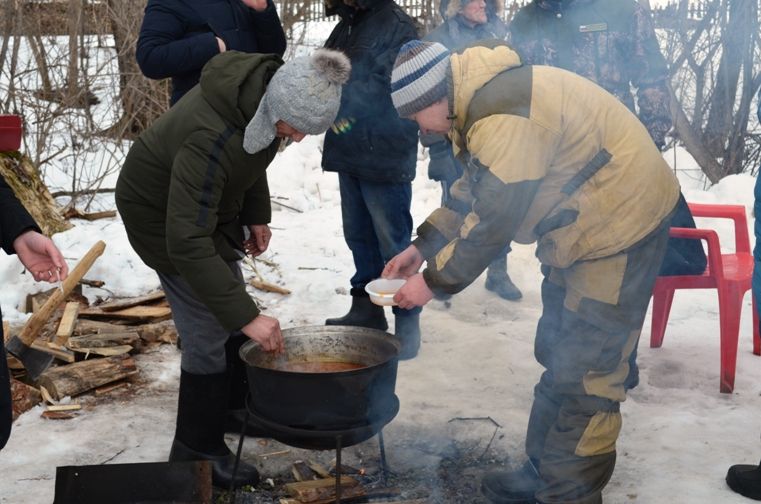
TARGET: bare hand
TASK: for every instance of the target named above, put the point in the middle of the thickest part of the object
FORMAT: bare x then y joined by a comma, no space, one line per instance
405,264
221,45
265,331
41,257
259,240
413,293
257,5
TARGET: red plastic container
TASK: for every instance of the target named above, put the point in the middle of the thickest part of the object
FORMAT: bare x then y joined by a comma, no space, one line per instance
10,132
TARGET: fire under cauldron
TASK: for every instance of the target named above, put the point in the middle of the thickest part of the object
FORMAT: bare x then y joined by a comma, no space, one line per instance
332,385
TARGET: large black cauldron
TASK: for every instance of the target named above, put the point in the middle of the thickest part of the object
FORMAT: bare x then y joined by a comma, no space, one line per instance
333,401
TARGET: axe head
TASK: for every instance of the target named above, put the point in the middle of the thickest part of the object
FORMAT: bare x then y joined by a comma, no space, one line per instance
35,361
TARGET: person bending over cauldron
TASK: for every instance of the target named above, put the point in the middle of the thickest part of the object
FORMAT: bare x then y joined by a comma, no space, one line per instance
550,157
188,187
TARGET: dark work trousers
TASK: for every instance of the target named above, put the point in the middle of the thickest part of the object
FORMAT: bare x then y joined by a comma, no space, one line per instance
6,412
592,316
203,337
377,225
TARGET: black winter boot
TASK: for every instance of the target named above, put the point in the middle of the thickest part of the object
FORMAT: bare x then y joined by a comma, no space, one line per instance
363,313
498,281
512,487
236,403
745,480
407,331
200,429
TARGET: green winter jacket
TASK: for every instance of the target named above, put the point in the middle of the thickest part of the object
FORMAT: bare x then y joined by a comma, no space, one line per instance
187,186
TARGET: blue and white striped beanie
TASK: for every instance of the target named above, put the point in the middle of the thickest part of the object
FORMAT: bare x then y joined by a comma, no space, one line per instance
419,77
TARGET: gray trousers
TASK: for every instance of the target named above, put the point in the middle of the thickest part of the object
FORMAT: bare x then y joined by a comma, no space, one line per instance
203,337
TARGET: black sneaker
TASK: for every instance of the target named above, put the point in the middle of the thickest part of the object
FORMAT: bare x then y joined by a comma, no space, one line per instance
745,479
511,487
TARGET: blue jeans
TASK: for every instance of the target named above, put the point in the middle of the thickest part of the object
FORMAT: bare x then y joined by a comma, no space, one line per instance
377,226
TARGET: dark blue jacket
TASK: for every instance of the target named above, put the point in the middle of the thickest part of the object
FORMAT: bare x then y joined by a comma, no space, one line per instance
376,145
178,37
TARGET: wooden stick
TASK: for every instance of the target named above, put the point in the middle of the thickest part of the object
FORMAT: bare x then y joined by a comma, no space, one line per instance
136,313
6,330
68,321
33,326
120,304
64,407
268,287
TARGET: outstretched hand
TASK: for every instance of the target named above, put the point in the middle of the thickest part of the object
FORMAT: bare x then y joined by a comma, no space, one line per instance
41,257
265,331
414,292
405,264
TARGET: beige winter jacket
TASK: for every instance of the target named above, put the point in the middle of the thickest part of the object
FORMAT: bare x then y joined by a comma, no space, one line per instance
550,157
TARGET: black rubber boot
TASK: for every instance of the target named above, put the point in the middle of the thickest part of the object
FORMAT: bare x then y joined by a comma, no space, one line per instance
200,429
236,403
498,281
407,331
363,313
745,480
512,487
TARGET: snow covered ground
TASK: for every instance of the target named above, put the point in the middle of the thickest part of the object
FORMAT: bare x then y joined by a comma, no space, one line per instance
680,434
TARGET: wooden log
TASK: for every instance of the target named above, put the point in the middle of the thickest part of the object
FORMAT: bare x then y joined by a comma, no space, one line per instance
23,397
319,469
268,287
22,176
80,377
120,304
6,330
164,332
105,351
86,326
321,489
134,313
68,321
73,213
131,338
302,472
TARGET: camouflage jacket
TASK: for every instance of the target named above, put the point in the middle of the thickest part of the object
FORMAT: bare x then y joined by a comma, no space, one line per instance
611,42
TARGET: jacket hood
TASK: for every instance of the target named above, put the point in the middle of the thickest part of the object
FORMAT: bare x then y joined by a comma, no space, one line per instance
473,68
449,8
234,82
559,5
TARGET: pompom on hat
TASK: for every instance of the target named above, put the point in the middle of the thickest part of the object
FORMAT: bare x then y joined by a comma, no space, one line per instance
419,77
305,93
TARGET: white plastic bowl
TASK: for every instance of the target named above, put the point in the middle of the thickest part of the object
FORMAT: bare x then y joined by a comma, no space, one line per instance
382,290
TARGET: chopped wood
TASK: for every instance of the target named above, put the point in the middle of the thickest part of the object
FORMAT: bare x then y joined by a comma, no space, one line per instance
57,415
321,489
105,351
120,304
46,396
92,283
319,469
104,340
6,330
85,326
35,301
268,287
64,407
164,332
136,313
275,454
14,363
73,213
23,397
82,376
302,472
59,353
68,321
110,388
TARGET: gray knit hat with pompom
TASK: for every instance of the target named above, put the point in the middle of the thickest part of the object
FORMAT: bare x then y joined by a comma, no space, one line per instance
305,93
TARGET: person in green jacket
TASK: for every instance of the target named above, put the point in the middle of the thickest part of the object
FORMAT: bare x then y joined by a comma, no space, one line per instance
189,187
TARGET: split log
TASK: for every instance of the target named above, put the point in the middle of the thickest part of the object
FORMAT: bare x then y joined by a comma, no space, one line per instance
23,397
58,415
319,469
302,472
6,331
105,351
105,340
68,321
59,353
64,407
321,489
23,177
120,304
82,376
163,332
135,313
85,326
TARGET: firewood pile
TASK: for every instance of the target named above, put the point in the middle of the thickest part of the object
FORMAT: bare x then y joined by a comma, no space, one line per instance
93,346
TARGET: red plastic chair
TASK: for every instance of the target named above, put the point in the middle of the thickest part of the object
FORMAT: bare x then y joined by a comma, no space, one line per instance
729,274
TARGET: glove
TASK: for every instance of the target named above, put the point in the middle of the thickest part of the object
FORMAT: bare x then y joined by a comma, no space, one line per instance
443,166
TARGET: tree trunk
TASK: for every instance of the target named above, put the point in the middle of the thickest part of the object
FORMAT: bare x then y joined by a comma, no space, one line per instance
72,79
25,181
143,100
77,378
